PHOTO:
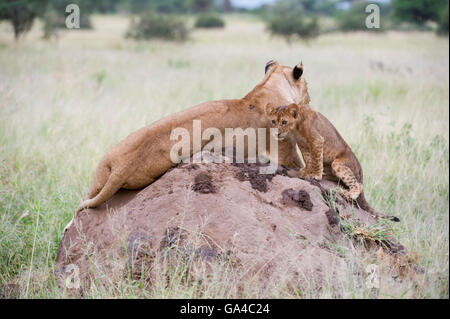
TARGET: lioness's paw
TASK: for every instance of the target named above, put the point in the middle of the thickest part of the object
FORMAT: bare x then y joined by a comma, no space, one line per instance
292,173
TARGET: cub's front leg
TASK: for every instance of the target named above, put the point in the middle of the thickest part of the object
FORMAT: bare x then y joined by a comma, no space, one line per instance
314,158
305,172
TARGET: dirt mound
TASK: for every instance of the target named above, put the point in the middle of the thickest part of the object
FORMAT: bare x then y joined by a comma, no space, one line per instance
269,226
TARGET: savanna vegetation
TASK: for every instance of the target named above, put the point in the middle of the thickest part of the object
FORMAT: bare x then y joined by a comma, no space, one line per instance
64,103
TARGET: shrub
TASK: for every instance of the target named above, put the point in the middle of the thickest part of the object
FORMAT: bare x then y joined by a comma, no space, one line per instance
209,20
52,22
293,24
443,23
354,18
153,25
418,11
55,20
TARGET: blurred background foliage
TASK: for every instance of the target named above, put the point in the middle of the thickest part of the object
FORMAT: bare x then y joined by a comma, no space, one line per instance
290,19
64,104
209,20
150,25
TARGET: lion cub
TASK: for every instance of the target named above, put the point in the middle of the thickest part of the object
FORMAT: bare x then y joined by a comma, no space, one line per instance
322,148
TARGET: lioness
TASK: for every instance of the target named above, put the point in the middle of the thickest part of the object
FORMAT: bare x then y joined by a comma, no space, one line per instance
322,148
144,155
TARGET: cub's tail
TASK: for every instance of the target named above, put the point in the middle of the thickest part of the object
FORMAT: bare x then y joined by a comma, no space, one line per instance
362,202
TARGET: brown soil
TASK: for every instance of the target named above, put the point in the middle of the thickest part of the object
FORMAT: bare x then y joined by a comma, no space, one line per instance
332,216
299,198
269,224
203,184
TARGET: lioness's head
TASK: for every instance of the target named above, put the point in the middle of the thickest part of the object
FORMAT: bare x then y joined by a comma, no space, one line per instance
283,118
284,85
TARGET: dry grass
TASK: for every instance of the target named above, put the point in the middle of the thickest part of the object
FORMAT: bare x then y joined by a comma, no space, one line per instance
64,104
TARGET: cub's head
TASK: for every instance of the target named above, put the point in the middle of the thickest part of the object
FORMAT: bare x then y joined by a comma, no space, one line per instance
283,118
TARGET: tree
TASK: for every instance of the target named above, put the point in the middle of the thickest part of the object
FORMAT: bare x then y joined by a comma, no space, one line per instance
443,22
162,6
309,7
418,11
227,6
21,14
201,5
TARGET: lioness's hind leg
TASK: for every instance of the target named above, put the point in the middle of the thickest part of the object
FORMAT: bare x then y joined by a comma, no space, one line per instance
101,177
345,174
114,183
287,153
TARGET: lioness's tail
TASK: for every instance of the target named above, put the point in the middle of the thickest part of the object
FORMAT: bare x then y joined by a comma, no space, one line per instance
362,202
113,184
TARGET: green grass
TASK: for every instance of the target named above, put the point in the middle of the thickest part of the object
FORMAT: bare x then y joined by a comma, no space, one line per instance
64,104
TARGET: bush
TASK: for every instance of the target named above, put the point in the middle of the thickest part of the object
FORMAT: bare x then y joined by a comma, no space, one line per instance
293,24
55,20
354,18
52,22
443,23
418,12
209,21
152,25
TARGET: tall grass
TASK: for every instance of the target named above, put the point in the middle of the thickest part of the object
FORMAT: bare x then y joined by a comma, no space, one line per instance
64,104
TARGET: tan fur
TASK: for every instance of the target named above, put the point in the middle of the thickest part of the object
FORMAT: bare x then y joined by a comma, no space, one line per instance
144,155
322,148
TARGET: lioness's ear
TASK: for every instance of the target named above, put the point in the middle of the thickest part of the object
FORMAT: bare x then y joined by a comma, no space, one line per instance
293,110
298,70
268,64
269,109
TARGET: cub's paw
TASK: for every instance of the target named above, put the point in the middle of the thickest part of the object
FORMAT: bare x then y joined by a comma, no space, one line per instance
302,173
305,174
344,193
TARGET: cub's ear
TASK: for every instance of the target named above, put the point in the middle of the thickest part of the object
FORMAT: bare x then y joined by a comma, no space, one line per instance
298,70
293,110
269,109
